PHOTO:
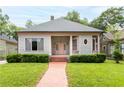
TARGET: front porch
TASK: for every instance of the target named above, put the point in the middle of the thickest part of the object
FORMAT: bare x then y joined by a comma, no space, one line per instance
64,45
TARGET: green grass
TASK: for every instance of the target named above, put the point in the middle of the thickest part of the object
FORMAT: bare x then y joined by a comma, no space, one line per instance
21,74
95,74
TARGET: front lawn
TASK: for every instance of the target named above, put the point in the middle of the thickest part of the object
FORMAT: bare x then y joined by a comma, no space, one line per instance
95,74
21,74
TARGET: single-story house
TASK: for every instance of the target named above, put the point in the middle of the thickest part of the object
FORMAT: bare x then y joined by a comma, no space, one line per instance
59,37
7,45
108,44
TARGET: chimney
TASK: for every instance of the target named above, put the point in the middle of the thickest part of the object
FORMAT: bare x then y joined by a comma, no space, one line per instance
51,17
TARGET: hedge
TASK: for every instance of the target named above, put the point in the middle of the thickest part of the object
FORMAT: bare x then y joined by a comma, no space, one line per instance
29,58
94,58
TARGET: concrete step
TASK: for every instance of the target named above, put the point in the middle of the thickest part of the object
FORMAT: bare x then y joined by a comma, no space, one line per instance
58,59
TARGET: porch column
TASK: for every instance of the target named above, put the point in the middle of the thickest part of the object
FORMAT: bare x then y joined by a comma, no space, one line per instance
50,46
70,45
98,43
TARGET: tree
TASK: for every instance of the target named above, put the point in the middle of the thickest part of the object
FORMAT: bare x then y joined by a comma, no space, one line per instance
114,29
3,22
6,27
111,16
11,30
75,17
84,21
29,23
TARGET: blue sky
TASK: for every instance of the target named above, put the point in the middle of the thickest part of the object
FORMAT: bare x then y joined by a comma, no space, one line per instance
38,14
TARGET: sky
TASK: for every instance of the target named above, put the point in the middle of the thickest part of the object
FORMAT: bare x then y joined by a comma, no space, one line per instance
38,14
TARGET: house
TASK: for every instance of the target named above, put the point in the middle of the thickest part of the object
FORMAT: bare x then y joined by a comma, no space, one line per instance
108,44
7,45
59,37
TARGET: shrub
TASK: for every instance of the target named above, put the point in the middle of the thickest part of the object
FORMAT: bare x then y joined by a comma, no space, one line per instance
74,58
117,56
43,58
30,58
101,58
88,58
14,58
94,58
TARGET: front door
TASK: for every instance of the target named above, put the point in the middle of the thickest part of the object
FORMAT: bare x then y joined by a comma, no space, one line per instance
60,48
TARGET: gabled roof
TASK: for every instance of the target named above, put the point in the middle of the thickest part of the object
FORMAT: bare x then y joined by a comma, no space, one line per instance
110,36
60,25
6,38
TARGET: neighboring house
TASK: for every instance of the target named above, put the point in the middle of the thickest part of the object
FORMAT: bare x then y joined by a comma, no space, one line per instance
59,37
7,45
108,44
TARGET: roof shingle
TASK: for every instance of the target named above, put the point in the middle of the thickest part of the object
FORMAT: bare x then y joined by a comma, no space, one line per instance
60,25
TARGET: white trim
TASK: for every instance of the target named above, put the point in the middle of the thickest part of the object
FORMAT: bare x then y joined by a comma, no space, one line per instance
70,45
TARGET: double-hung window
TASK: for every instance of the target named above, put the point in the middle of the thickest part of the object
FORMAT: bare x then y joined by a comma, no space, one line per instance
34,44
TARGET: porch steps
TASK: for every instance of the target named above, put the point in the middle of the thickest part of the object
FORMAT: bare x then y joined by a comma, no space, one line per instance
58,59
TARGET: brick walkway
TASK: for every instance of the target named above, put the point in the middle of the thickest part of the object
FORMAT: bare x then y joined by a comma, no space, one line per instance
55,76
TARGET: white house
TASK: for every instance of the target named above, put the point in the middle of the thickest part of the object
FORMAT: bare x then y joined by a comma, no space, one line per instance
59,37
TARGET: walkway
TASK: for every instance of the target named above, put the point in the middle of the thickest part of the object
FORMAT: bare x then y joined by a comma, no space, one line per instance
3,62
55,76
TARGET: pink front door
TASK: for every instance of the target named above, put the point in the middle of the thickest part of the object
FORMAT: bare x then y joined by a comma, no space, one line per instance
60,48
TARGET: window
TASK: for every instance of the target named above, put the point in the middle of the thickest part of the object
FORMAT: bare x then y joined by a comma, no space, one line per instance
57,47
95,43
74,44
34,44
64,46
85,41
122,48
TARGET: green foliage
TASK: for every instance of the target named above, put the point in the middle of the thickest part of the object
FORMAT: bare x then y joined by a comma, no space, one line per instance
29,58
84,21
101,58
75,17
6,27
32,58
117,56
43,58
74,58
4,19
14,58
112,16
29,23
94,58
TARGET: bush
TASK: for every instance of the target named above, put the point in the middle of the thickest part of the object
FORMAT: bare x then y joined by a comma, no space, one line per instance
14,58
101,58
94,58
29,58
74,58
88,58
43,58
117,56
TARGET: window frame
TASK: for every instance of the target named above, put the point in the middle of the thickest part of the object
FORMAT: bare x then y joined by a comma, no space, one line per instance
31,44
